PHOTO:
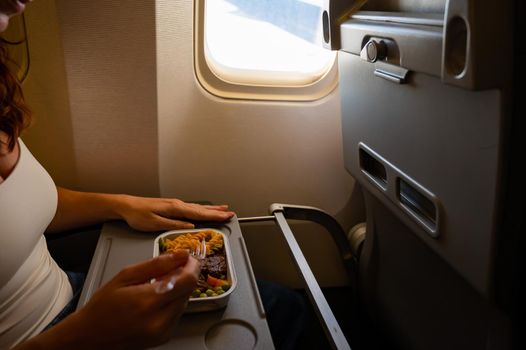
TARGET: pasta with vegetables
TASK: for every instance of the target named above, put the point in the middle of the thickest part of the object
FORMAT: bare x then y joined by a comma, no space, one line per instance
213,278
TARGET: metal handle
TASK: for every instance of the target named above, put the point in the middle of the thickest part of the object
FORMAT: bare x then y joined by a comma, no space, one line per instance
279,214
330,324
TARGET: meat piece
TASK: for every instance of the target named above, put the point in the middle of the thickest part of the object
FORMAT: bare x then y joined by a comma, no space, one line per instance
214,265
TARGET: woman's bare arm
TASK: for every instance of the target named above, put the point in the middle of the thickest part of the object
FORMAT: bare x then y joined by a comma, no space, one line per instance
80,209
128,312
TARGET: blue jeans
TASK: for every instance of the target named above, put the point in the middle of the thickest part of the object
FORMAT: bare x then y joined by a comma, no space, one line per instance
76,279
286,312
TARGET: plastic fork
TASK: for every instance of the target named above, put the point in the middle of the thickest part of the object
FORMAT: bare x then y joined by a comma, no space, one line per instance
199,252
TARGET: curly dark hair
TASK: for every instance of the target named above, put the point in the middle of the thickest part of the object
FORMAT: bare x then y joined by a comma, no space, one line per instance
15,115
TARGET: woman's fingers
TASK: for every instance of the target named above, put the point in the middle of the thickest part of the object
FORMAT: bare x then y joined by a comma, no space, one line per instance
222,207
146,270
156,214
184,282
194,211
200,212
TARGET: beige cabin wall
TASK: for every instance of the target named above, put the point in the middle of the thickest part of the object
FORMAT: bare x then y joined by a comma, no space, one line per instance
93,88
50,137
118,109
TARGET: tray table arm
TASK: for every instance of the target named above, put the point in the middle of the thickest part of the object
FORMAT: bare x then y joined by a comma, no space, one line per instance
280,213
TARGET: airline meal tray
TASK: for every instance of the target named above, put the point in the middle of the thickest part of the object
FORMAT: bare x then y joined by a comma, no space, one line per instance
240,324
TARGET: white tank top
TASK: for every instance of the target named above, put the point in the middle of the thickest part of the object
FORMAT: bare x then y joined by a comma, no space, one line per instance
33,289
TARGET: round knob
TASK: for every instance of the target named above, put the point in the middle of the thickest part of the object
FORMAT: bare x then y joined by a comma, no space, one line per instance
375,50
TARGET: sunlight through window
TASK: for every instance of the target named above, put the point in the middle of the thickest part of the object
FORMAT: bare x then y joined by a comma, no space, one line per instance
266,42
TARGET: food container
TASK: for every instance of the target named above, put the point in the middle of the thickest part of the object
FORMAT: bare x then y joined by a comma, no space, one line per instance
199,304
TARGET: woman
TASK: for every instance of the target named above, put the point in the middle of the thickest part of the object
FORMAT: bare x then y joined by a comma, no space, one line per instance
128,312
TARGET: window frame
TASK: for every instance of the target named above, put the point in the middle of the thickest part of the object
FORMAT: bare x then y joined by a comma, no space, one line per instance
220,87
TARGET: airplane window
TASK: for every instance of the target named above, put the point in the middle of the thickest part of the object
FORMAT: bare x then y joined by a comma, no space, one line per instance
273,43
247,40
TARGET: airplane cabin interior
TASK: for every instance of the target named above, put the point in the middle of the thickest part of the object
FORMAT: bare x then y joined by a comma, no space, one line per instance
375,171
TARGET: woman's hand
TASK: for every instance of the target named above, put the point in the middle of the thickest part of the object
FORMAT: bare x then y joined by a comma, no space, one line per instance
79,209
156,214
131,313
128,312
